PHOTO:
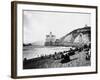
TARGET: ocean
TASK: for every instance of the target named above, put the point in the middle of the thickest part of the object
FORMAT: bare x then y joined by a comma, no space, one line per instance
30,52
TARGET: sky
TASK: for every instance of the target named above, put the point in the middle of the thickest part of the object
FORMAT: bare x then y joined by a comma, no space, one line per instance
37,24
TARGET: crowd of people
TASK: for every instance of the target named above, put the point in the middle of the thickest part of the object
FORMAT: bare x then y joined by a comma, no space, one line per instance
65,55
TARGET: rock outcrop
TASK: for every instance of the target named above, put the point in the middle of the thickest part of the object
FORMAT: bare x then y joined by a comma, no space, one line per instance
81,36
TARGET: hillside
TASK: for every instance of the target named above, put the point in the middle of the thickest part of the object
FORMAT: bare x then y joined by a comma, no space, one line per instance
81,35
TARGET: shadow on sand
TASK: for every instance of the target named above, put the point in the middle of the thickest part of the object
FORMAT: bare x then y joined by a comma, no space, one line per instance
67,60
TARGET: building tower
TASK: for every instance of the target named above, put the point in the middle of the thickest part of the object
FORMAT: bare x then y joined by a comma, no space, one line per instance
50,39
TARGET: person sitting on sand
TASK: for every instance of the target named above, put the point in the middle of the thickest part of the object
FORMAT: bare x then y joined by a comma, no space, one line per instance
88,55
66,59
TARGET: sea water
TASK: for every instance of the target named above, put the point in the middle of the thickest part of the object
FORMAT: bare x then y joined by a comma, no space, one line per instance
32,52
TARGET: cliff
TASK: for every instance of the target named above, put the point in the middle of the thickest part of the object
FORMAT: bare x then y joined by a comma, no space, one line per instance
81,35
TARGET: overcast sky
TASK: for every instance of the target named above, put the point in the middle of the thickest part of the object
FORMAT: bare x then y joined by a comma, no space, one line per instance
37,24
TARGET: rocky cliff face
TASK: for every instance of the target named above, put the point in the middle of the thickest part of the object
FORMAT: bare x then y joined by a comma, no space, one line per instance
81,35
